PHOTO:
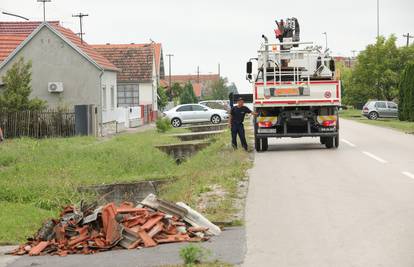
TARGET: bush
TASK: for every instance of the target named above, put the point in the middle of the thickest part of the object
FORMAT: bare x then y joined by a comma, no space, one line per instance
192,254
163,125
406,103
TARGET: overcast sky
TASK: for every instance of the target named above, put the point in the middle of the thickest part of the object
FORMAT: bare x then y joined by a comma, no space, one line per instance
205,33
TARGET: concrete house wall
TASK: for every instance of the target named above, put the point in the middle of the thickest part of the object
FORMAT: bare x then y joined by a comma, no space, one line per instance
53,60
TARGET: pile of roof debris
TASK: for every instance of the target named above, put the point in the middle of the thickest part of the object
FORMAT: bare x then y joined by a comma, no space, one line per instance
90,230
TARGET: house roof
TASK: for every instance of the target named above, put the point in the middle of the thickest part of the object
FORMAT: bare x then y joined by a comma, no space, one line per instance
135,61
156,46
197,89
194,78
14,34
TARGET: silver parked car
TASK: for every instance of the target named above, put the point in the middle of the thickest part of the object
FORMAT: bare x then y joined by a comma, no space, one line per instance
380,109
189,113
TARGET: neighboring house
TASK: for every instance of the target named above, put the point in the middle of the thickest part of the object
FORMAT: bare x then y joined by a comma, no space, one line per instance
81,75
201,83
348,61
141,68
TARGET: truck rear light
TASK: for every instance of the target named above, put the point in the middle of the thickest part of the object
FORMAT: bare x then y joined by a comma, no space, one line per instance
365,109
329,123
265,124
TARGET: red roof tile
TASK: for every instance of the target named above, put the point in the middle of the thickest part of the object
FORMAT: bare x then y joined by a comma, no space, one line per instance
156,46
194,78
12,34
135,61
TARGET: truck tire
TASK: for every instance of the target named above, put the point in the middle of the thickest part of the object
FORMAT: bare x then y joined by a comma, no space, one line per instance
257,144
329,143
265,144
336,141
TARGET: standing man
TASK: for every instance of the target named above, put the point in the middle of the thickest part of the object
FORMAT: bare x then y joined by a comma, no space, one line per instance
237,115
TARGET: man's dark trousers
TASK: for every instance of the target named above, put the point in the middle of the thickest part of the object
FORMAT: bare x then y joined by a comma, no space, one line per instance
238,129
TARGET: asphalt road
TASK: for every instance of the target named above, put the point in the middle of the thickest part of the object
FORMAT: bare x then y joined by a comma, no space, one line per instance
354,206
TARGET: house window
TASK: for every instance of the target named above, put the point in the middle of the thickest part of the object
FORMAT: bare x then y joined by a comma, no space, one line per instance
128,95
112,97
104,97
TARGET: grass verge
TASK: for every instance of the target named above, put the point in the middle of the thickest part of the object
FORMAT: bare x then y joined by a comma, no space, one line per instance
355,115
38,177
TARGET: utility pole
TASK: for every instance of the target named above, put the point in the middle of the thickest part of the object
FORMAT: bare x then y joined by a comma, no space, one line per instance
353,52
169,68
219,69
44,7
378,19
198,74
326,39
80,16
408,36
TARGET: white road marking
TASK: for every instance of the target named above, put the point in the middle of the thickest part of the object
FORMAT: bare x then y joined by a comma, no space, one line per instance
348,143
408,174
374,157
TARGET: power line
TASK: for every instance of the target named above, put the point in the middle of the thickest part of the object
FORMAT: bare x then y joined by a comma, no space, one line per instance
408,36
44,7
80,16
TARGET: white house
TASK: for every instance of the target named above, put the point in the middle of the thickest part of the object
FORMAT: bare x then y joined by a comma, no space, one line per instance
65,71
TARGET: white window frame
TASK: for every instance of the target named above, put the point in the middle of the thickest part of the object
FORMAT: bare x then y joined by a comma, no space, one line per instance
104,97
112,96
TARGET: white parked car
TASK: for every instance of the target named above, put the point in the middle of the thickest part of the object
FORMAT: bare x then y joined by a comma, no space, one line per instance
189,113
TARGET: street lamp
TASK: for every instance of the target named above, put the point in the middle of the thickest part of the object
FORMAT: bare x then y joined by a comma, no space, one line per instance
14,15
326,39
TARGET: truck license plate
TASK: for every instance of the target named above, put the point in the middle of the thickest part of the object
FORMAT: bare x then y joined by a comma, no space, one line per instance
261,130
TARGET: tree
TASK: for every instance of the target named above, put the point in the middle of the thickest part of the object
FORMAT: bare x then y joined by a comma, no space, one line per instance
377,72
188,96
17,89
176,90
162,97
232,88
220,89
406,94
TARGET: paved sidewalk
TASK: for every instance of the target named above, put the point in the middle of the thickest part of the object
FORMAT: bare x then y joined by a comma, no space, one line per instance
229,247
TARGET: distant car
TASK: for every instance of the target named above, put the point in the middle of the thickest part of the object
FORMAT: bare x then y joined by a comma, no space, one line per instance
189,113
380,109
216,104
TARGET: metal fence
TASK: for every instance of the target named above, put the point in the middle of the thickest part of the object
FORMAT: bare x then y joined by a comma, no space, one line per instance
37,124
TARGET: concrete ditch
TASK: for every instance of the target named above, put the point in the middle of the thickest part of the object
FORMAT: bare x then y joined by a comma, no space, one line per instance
133,192
207,127
196,135
182,151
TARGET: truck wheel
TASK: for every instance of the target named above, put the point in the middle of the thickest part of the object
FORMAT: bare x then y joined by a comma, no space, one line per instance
329,143
322,140
265,144
337,141
257,144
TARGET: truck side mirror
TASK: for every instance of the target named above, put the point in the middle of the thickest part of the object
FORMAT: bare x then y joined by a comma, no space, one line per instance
249,67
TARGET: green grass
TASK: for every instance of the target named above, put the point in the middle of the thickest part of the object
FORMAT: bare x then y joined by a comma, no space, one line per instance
38,177
20,220
354,114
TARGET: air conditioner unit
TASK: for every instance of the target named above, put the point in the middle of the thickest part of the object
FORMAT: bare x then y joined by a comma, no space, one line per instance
55,87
